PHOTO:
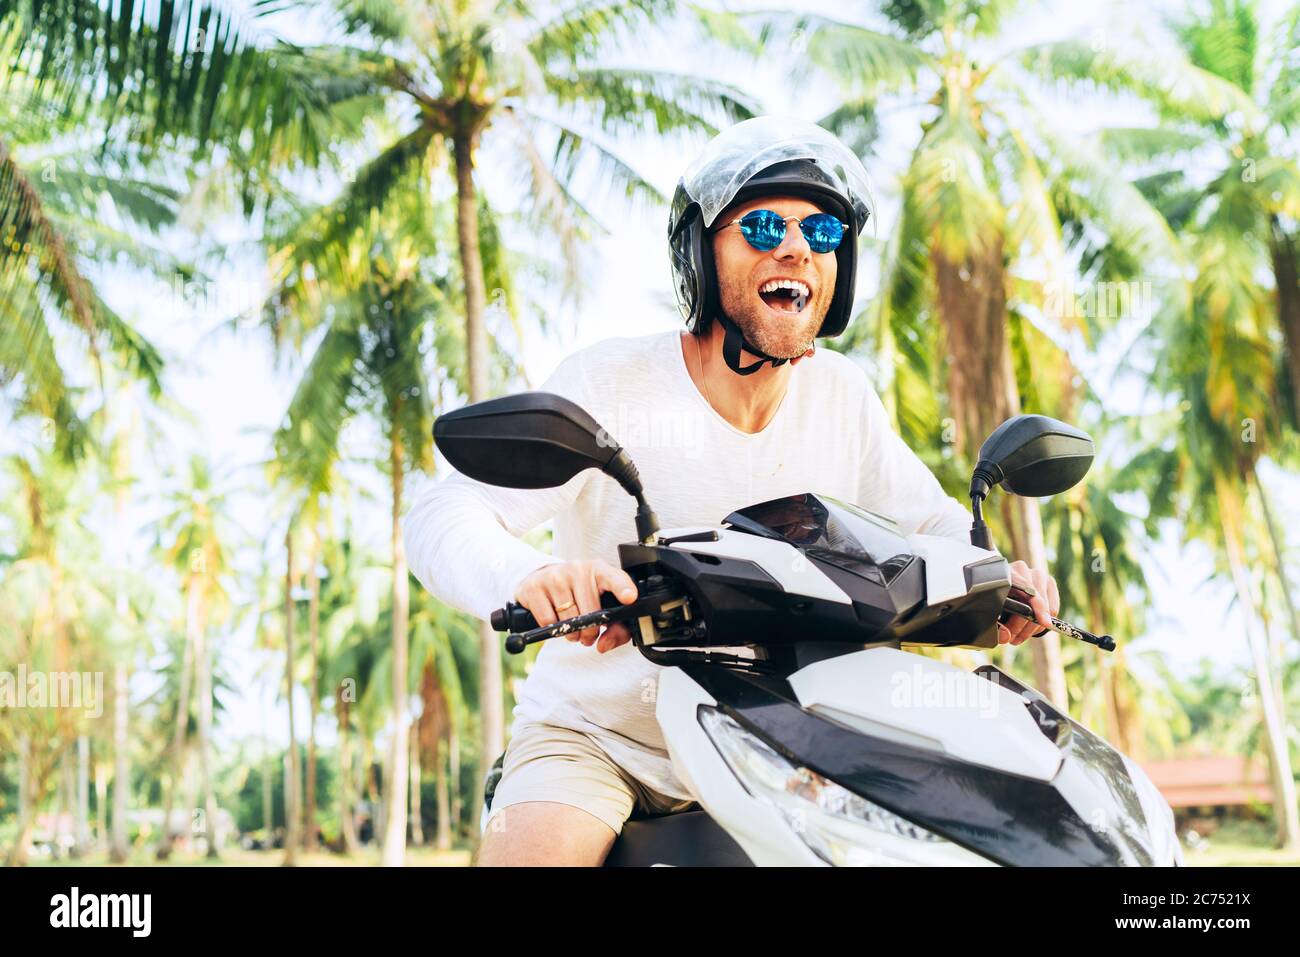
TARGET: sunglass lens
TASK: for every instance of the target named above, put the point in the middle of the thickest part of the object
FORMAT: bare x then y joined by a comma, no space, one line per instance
763,229
823,232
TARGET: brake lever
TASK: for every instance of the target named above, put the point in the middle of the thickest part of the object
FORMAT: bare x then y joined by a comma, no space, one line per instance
1104,642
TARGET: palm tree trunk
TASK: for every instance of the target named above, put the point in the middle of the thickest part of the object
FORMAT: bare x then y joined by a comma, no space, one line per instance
471,262
1108,667
982,394
64,806
82,827
1284,791
101,805
313,625
268,811
203,669
417,825
191,788
291,812
453,762
1286,266
118,850
442,839
17,856
347,824
178,748
1026,524
394,853
372,790
1278,545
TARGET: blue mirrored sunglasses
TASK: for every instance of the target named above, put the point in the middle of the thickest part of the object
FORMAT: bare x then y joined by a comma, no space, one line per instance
764,229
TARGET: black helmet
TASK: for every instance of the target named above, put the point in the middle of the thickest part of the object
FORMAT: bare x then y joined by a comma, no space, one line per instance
765,156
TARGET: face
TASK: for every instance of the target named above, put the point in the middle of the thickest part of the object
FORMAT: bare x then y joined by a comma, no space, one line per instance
780,321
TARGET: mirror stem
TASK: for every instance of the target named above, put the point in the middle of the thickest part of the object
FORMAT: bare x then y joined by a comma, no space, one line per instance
979,532
622,469
647,523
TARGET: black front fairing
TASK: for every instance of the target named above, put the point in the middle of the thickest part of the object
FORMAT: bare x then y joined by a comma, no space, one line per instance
1088,815
832,533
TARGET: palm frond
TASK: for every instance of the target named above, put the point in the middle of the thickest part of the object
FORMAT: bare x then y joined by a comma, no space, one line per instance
27,355
381,19
188,71
1176,86
865,63
855,123
580,28
1085,181
320,244
952,189
308,443
624,100
1144,144
28,236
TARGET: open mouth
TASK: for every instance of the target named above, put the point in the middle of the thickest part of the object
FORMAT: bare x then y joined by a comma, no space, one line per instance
784,295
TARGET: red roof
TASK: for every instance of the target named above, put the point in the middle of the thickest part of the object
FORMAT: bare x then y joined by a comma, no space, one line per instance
1228,779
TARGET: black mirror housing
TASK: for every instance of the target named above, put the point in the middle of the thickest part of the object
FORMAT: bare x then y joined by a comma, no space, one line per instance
1033,455
536,440
529,440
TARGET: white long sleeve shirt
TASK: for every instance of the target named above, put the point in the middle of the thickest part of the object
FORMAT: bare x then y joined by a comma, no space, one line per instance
830,434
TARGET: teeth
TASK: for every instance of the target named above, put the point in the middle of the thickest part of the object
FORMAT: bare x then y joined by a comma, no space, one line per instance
775,284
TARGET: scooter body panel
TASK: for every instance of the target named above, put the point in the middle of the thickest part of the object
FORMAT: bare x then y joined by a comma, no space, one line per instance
932,704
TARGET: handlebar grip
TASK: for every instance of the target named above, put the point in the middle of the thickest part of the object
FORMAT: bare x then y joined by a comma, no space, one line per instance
514,617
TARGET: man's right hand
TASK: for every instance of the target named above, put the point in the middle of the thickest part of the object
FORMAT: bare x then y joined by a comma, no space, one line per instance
567,589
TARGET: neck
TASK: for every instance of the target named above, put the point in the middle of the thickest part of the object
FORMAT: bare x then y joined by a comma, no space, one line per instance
748,402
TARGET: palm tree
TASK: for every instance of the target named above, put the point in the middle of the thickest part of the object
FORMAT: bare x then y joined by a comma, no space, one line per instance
1099,568
382,304
118,424
349,665
1250,204
292,807
51,228
198,549
980,239
150,81
497,78
55,593
436,632
1226,417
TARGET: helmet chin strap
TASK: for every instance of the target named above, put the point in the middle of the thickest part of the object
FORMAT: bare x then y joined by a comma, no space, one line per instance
734,340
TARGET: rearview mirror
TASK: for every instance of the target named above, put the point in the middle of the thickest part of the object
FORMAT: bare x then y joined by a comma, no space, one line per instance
1033,455
529,440
536,440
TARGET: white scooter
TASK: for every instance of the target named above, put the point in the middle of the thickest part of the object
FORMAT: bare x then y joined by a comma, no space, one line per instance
815,739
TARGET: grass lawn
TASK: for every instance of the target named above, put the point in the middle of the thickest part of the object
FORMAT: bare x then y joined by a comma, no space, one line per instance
1240,844
238,857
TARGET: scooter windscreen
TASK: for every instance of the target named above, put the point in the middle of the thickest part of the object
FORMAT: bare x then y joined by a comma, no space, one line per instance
830,532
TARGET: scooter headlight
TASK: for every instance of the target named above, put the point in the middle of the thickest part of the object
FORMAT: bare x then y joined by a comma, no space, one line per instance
842,828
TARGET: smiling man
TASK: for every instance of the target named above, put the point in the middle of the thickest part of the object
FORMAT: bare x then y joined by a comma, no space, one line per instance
741,408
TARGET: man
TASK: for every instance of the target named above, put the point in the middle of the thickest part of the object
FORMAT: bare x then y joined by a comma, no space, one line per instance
739,409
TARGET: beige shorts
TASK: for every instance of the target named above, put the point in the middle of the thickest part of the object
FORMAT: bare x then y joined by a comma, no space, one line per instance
561,766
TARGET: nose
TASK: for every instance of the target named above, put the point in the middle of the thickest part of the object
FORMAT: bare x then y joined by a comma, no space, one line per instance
794,247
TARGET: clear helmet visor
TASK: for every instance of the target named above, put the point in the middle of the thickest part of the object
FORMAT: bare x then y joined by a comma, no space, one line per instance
734,156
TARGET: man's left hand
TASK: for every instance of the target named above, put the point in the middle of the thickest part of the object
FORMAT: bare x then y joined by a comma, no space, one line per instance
1038,589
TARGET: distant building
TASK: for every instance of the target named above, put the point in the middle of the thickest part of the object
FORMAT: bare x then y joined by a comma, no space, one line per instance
1212,786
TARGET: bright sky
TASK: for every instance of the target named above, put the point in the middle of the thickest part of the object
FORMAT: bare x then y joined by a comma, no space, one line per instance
237,395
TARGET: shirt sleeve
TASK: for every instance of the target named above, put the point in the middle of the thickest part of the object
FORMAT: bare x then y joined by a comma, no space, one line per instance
462,536
896,483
